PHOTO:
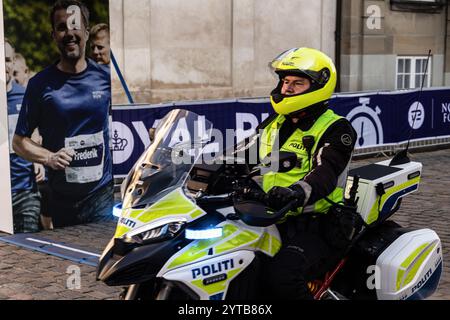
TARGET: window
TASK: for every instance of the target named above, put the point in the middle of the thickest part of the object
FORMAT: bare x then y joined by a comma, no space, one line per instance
410,71
423,2
423,6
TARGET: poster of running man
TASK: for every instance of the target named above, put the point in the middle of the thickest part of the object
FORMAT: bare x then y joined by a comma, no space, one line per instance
55,102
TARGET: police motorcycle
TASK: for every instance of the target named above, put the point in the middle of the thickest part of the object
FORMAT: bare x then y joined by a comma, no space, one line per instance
192,230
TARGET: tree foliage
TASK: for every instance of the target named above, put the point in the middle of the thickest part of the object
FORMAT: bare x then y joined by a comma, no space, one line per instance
28,27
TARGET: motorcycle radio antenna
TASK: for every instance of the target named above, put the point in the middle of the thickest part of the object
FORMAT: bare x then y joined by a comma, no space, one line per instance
402,156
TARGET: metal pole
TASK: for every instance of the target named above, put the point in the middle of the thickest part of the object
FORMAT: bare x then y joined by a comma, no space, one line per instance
122,80
338,39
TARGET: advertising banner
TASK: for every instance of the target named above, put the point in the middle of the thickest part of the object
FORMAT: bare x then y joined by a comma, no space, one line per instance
394,117
379,119
6,221
129,134
56,93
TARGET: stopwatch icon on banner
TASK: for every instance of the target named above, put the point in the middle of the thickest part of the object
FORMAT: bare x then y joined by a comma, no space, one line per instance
367,123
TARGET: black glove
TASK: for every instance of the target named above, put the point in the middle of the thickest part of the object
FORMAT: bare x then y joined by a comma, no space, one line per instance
279,197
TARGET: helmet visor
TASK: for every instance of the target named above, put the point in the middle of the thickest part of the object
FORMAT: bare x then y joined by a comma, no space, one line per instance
291,62
276,62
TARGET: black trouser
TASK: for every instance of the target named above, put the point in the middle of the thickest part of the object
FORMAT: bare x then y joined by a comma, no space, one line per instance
96,207
44,190
305,255
26,207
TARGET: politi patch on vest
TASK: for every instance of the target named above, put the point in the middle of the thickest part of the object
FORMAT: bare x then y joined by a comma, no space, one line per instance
296,145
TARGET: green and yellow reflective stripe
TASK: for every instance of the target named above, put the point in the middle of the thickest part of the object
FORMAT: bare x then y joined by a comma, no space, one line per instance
217,287
196,213
410,259
135,213
241,239
276,245
412,273
121,230
264,243
322,205
200,248
373,215
175,202
407,262
268,244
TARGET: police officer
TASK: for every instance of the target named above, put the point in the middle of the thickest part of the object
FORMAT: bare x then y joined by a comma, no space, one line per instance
323,143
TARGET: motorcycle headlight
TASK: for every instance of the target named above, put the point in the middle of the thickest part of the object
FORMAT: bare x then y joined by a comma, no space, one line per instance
154,232
204,234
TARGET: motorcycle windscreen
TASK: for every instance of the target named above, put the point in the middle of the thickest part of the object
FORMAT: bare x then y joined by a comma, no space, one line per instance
179,140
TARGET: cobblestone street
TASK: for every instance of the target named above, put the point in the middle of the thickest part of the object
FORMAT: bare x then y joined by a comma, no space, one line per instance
25,274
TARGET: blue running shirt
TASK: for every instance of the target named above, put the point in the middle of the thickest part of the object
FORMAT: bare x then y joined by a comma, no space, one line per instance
71,111
22,171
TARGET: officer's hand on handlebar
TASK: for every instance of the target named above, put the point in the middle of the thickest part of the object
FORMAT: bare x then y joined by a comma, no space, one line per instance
257,195
250,194
279,197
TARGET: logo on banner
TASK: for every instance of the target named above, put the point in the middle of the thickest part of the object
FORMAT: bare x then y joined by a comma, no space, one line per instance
122,142
118,144
416,115
367,124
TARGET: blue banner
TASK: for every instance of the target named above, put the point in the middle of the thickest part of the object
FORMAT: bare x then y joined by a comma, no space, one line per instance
381,118
390,118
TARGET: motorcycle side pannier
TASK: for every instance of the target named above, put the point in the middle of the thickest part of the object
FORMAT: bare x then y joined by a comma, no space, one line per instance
410,267
381,187
392,263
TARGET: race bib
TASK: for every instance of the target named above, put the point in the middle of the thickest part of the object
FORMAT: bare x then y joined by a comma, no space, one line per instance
88,160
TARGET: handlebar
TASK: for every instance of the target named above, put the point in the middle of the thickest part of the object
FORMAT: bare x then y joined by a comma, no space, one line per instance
258,196
261,196
286,209
256,214
250,204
